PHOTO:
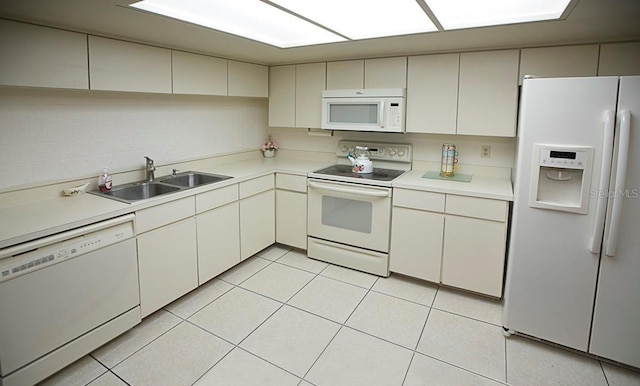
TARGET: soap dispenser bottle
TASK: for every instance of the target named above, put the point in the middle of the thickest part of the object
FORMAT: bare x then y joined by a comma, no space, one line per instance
105,182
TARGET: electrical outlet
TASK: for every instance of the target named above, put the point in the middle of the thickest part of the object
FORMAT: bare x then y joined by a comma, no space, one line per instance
485,151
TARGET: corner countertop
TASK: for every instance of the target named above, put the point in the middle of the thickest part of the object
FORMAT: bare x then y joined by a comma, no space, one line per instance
34,220
497,188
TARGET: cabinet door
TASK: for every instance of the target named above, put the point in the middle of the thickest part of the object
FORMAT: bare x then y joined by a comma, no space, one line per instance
619,59
291,218
385,73
432,93
248,80
416,243
168,264
282,96
488,93
218,241
555,62
198,74
345,75
310,82
257,223
115,65
473,254
42,57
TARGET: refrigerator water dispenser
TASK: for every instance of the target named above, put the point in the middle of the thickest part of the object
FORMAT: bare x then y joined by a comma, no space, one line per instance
561,178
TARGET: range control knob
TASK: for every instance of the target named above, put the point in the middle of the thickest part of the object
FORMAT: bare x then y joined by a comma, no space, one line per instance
401,152
344,149
392,152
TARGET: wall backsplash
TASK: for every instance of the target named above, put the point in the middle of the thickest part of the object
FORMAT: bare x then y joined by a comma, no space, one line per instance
53,135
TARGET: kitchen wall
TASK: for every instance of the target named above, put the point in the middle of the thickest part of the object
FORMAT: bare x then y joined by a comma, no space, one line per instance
55,135
426,147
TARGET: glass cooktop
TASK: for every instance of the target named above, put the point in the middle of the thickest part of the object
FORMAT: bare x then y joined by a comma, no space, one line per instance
379,174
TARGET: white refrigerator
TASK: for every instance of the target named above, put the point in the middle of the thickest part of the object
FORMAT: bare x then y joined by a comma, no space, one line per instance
573,270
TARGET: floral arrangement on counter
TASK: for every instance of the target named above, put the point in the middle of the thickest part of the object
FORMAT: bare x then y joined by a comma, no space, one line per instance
269,148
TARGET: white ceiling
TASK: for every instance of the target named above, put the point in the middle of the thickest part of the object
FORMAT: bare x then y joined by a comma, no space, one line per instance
590,21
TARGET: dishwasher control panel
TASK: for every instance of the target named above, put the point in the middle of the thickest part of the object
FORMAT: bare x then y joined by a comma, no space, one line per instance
32,260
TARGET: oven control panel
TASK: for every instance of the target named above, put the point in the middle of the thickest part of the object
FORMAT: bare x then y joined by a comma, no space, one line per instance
379,151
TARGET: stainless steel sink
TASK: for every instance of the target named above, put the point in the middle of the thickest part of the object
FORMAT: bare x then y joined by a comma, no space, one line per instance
192,179
138,191
143,190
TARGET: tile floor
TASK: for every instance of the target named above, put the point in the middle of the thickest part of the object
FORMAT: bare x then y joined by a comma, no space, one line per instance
280,318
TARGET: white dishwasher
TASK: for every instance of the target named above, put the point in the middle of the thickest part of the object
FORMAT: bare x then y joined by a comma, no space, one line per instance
65,295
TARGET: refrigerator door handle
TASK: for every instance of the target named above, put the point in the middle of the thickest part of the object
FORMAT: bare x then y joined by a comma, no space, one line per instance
605,176
621,182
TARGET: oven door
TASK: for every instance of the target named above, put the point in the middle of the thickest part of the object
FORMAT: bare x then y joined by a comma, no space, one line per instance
351,214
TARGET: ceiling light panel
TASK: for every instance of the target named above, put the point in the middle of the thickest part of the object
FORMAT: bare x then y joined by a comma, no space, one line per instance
252,19
456,14
362,19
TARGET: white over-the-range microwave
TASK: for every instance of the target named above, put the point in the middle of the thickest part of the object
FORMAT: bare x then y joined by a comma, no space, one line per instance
379,110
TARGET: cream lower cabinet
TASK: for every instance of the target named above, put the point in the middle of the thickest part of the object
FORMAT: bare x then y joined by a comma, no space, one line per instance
291,210
167,254
416,234
257,215
218,232
455,240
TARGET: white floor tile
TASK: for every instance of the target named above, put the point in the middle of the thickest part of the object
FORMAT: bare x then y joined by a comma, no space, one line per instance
244,270
298,258
241,368
195,300
278,281
414,290
329,298
469,305
107,379
534,363
235,314
291,339
618,376
133,340
390,318
179,357
464,342
425,371
351,276
354,359
80,372
274,252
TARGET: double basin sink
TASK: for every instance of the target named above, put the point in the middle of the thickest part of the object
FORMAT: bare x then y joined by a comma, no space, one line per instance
137,191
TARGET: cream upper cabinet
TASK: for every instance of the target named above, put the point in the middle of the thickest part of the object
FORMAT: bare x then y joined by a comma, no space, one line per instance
488,93
42,57
432,93
385,72
116,65
619,59
198,74
282,96
345,75
555,62
310,82
248,80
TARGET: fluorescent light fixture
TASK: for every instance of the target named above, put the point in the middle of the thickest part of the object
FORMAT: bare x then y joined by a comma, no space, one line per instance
362,19
252,19
456,14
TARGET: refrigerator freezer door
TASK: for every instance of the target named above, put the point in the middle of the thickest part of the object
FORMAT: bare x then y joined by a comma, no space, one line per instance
551,272
616,332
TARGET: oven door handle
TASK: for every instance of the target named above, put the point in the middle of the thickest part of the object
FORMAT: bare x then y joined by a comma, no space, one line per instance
361,192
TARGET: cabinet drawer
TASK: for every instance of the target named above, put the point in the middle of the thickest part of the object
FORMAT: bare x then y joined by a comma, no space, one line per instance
291,182
216,198
164,214
495,210
415,199
256,185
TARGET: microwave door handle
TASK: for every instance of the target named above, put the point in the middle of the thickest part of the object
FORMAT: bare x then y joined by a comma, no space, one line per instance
383,107
340,189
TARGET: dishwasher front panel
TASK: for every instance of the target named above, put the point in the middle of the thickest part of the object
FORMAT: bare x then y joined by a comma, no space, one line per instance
47,308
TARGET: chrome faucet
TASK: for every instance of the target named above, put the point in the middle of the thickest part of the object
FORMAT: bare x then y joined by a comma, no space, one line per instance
149,170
